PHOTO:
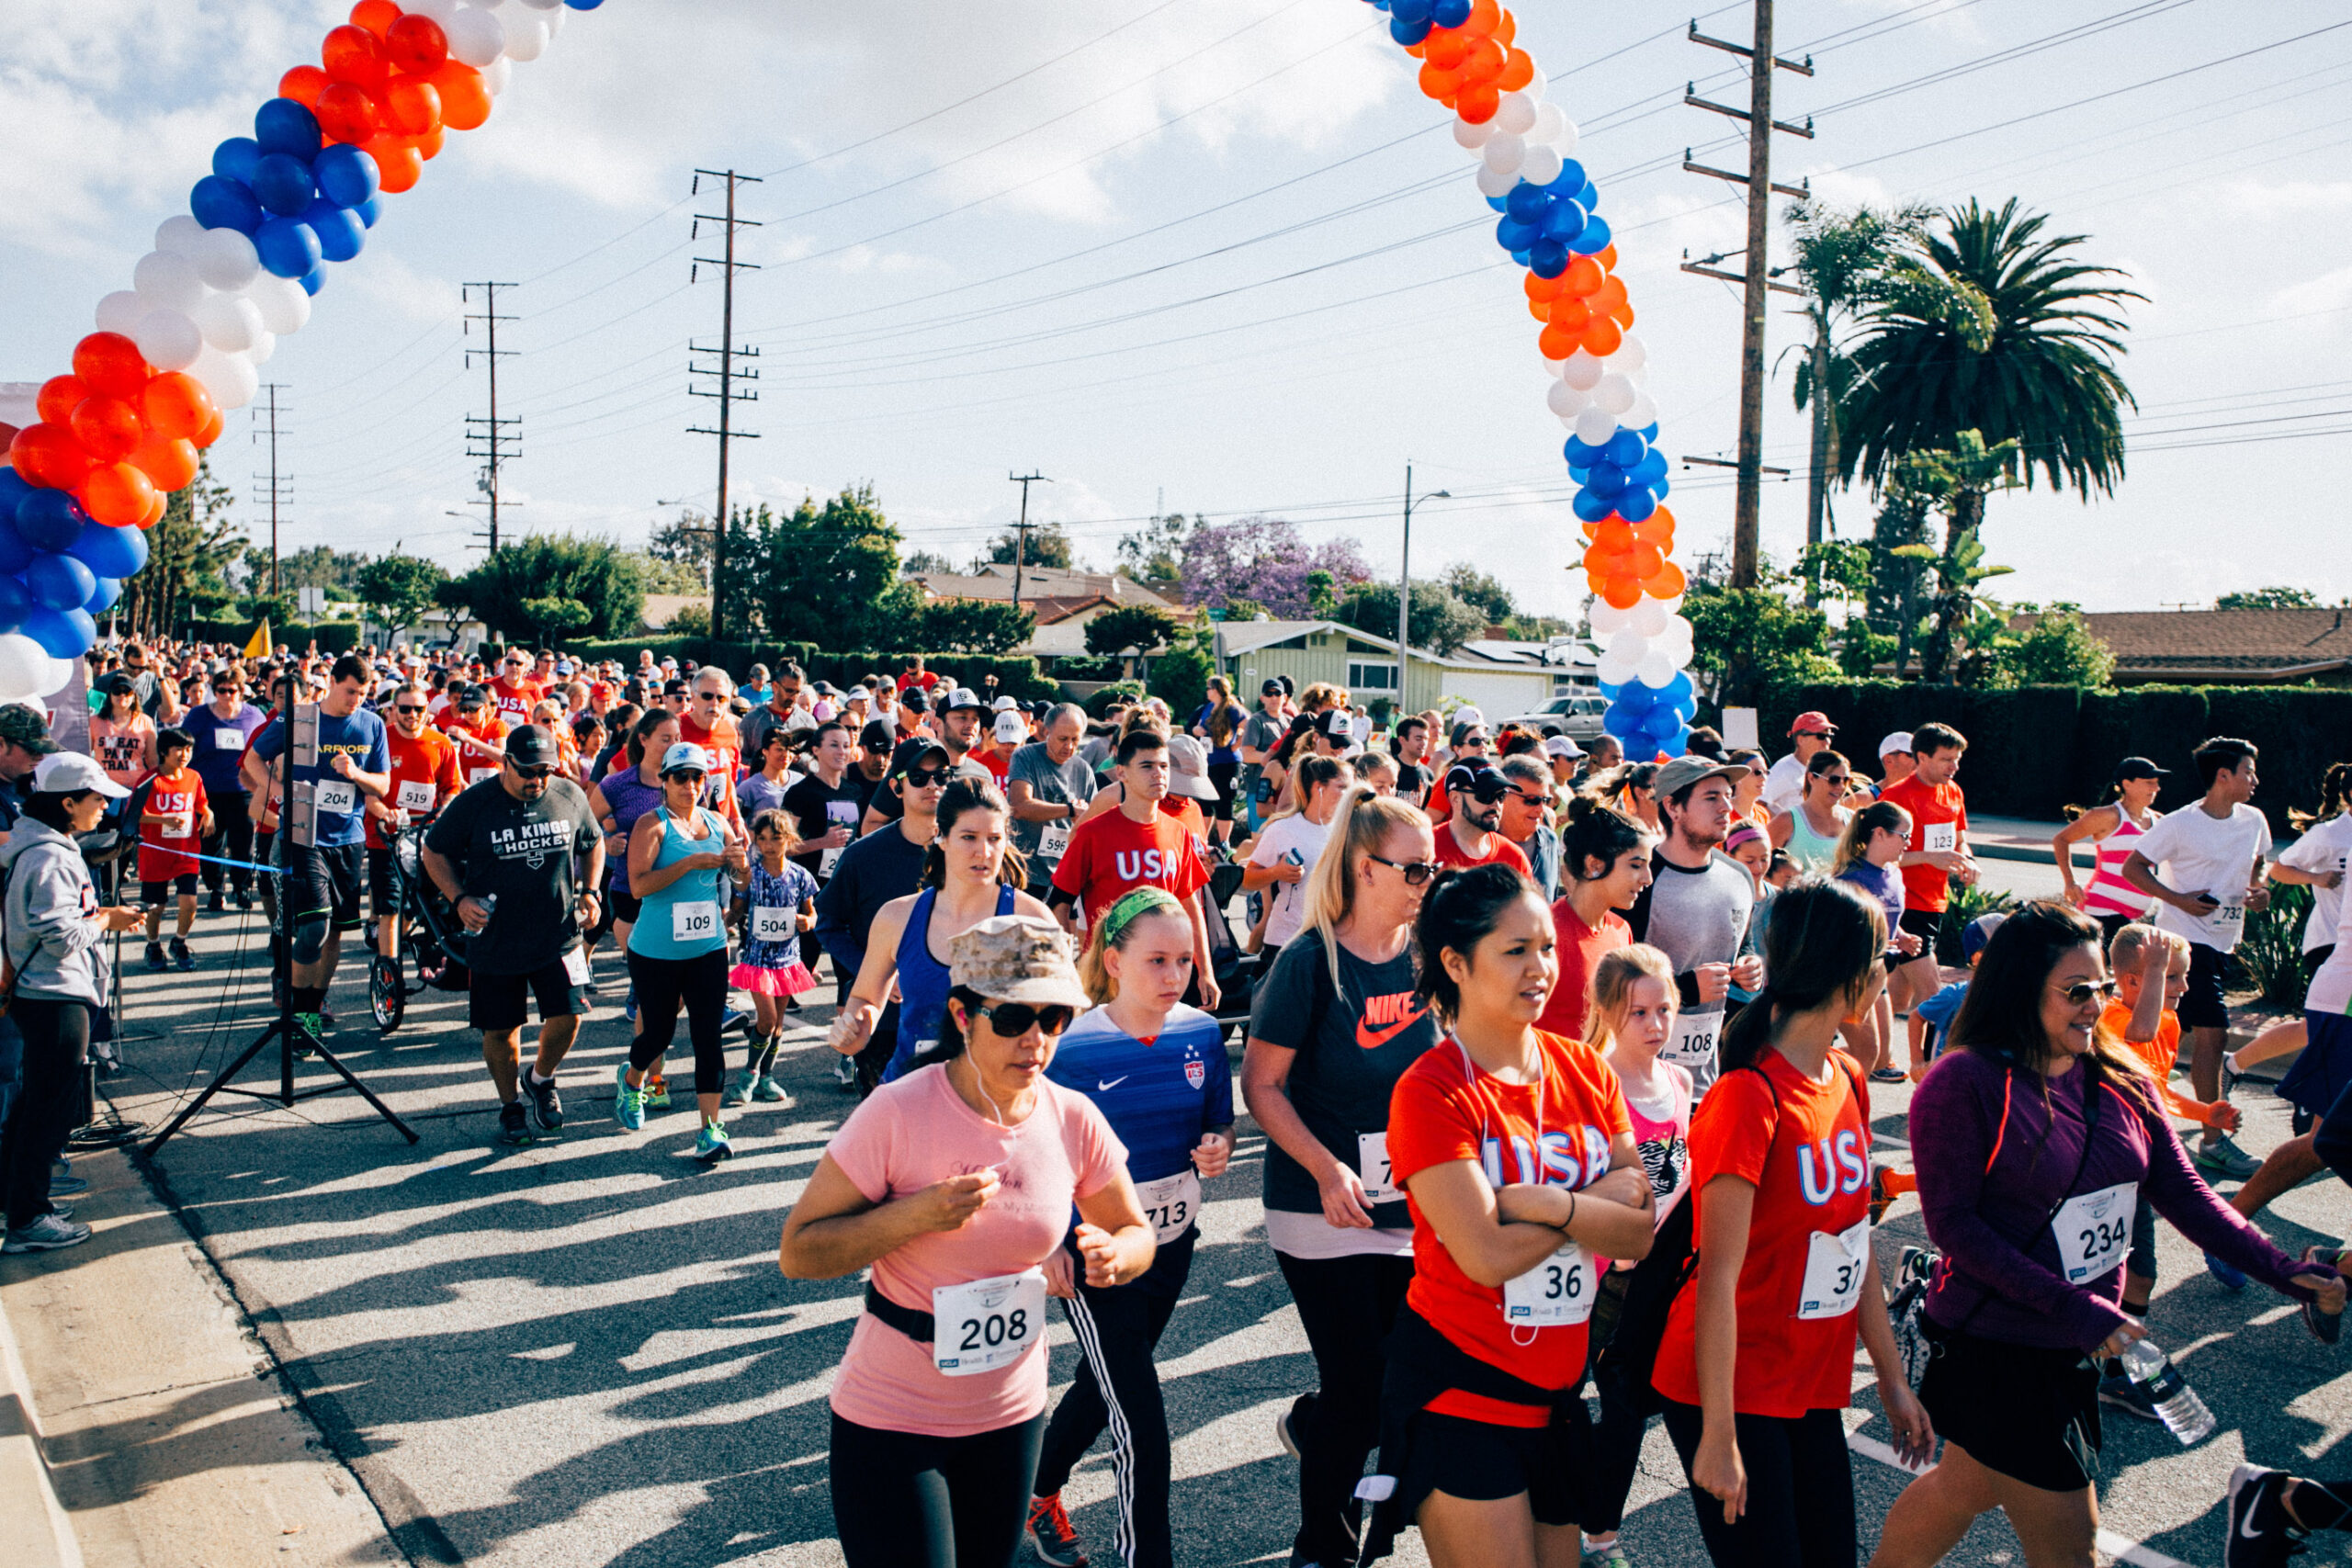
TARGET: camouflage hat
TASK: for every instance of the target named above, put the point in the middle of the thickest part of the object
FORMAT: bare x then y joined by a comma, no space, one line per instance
21,726
1016,958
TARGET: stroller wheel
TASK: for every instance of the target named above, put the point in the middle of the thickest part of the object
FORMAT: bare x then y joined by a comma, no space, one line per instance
387,995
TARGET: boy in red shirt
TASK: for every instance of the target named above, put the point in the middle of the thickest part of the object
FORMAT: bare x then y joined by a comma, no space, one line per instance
172,825
1139,845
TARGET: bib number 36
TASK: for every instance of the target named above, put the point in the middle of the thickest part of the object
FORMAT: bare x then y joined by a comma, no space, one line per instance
984,1326
1555,1293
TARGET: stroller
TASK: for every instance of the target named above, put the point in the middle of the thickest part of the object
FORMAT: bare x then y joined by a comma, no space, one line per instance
432,935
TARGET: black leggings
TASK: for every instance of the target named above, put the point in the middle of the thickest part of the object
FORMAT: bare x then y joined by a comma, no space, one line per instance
1621,1373
904,1500
1347,1307
57,1043
661,984
1800,1491
1117,1331
232,838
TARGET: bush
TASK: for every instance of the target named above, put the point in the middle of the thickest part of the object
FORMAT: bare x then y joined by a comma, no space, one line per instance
1117,692
2269,958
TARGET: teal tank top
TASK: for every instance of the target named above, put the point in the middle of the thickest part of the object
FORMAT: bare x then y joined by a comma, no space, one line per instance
683,920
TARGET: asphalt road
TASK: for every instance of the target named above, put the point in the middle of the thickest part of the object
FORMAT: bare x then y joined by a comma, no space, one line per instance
581,1352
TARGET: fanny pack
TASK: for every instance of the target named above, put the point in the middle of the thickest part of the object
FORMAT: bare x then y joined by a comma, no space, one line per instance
919,1327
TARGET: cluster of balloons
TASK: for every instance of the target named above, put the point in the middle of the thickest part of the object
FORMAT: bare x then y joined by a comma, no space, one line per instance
186,342
1551,224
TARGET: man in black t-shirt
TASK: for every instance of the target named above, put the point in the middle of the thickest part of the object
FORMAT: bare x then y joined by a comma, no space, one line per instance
519,855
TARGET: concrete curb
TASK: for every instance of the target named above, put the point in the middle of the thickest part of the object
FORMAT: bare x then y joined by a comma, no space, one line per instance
34,1530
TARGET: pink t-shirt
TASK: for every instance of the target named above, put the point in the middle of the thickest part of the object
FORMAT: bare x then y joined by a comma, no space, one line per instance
916,1131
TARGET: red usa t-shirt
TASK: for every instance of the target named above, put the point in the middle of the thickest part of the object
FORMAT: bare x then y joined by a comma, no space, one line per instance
1500,852
1809,1161
163,853
1939,815
1445,1110
1112,855
514,699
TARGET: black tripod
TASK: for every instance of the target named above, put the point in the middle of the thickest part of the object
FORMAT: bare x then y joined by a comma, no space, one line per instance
292,1036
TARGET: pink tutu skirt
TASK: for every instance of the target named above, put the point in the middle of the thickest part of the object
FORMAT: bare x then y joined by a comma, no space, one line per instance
789,981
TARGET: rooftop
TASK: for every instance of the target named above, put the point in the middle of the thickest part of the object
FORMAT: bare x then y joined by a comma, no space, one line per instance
2222,645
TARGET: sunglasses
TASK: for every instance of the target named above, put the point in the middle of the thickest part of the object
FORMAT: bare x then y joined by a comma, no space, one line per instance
923,778
1486,794
2082,991
1417,871
540,771
1013,1019
1816,735
1526,799
412,707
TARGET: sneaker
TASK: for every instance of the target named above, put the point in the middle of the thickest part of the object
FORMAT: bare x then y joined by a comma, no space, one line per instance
657,1093
2118,1389
546,1106
712,1146
791,1004
155,959
45,1235
2219,1157
629,1105
514,1123
738,1091
766,1090
2260,1535
2231,1077
1609,1556
1288,1424
181,957
216,904
244,901
2231,1278
1880,1199
326,1020
66,1186
736,1019
313,1027
1055,1536
845,1074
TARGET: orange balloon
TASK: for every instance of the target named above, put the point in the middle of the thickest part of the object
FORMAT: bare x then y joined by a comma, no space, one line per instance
1584,277
1476,105
1570,314
1439,84
1662,518
1507,29
1486,16
1540,309
111,364
48,456
1484,64
1668,584
428,145
155,512
1615,534
212,431
1539,287
465,102
1556,343
1608,259
117,495
107,428
1648,561
60,396
1519,70
1648,532
375,16
1447,48
1610,295
398,164
175,405
303,84
170,462
347,113
411,106
354,55
1602,338
1418,50
1623,594
1623,316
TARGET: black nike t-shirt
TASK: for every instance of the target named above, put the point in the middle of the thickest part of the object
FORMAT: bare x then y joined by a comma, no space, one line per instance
1353,1046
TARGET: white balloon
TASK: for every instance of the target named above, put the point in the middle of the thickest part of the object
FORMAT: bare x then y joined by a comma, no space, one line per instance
1516,115
554,17
1630,355
59,675
226,260
1503,151
1609,672
1540,163
1566,401
264,346
1472,136
526,35
230,322
177,235
1614,393
476,36
1581,370
285,305
1655,669
441,11
1628,647
230,377
120,312
24,665
1642,414
1606,618
496,74
1595,426
1491,184
1535,88
544,5
167,282
168,340
1647,617
1553,368
486,5
1551,126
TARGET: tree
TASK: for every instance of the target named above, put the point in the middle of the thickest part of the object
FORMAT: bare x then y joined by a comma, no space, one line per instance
825,574
1440,622
1957,483
1481,591
2058,649
593,574
1048,546
976,625
554,617
188,556
683,542
1180,676
317,566
928,560
1264,559
1154,554
1147,626
397,590
2269,599
661,575
1759,632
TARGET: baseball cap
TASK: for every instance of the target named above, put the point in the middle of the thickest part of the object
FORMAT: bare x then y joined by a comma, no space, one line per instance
913,700
1897,743
962,698
1674,777
563,666
682,756
1016,958
117,686
69,773
1006,704
1188,769
1010,728
22,725
1978,931
1561,746
2138,768
1483,783
911,753
1813,721
1467,714
1270,687
530,746
1335,724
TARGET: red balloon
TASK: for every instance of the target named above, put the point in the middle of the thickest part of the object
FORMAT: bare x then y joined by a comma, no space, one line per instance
416,44
1478,104
428,145
465,102
346,114
303,84
60,396
398,164
117,495
111,366
353,55
107,428
1448,47
176,405
48,456
7,433
170,463
379,16
413,106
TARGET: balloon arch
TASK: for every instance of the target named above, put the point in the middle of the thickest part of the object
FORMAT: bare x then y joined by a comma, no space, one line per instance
172,354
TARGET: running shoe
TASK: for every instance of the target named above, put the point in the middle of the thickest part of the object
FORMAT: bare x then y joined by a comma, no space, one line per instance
713,1146
736,1019
2219,1157
2231,1077
244,902
181,958
155,959
845,1074
766,1090
1880,1199
546,1106
2261,1535
1609,1556
629,1105
1056,1537
657,1093
2116,1388
215,905
514,1123
45,1235
791,1004
327,1018
2232,1278
1889,1075
313,1027
738,1091
2327,1328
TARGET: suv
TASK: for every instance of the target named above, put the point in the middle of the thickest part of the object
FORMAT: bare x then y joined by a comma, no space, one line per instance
1577,716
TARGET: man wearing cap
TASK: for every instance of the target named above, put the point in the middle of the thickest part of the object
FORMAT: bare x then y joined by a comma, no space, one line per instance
775,709
959,730
884,863
24,742
1895,761
520,857
1049,785
1260,736
1525,821
424,778
1134,845
1471,833
1561,754
1334,733
1410,742
1697,907
1469,748
1809,732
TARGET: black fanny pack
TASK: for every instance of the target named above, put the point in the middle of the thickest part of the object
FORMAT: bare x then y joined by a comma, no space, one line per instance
919,1327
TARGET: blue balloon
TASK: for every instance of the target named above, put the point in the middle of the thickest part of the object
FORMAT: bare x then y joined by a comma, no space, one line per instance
1622,722
1625,449
1450,13
1523,258
1635,504
1570,181
220,202
1634,697
1660,490
369,210
1564,221
1412,10
14,601
282,125
313,280
1685,695
49,520
236,159
1578,476
14,554
1513,235
109,589
1589,195
59,582
1608,481
1591,506
1651,469
340,232
1649,431
109,552
1580,455
63,634
288,247
1408,33
1593,238
346,175
583,5
13,492
1526,203
1609,691
1498,203
283,184
1548,257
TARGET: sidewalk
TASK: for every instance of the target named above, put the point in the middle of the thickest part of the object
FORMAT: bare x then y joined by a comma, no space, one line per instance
2019,838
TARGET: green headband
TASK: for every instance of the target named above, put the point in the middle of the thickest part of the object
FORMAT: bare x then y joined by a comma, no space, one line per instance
1134,907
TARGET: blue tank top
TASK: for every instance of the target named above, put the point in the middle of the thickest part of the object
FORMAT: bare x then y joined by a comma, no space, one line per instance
922,983
682,921
630,798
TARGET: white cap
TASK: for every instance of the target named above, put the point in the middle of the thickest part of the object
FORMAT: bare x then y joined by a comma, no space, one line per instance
68,772
685,754
1561,746
1007,704
1010,727
1468,714
1898,741
1188,769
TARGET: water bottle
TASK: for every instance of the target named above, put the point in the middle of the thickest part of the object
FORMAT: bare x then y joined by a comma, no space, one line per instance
2184,1414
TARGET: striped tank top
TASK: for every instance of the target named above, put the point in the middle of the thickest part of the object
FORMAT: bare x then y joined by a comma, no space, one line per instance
2107,892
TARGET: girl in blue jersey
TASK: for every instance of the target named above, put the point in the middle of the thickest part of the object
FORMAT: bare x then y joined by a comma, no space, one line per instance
1157,1069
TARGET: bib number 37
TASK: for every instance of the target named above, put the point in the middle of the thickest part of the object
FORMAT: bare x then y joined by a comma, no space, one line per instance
984,1326
1834,1266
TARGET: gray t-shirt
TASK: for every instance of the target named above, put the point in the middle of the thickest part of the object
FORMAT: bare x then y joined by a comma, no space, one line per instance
1695,916
1261,734
1072,784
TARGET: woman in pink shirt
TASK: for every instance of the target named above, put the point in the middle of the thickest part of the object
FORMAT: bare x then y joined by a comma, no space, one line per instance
955,1183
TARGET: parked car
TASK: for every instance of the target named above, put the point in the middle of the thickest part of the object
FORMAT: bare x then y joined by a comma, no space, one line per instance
1577,716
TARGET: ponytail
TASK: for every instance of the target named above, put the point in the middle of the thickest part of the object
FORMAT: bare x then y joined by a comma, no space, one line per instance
1822,943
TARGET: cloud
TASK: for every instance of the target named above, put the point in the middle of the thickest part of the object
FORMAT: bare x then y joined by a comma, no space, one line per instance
2328,291
2293,199
382,277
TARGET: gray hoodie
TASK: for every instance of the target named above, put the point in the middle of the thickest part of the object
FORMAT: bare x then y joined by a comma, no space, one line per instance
50,938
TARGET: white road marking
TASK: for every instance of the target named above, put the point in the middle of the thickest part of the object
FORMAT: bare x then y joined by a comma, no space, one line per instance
2121,1549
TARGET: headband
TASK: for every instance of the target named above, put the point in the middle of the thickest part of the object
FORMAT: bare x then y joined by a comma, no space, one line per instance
1133,907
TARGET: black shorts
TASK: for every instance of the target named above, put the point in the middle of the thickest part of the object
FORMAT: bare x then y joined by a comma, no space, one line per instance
2203,1005
155,892
624,907
1927,925
1480,1462
498,1001
2022,1411
325,879
386,887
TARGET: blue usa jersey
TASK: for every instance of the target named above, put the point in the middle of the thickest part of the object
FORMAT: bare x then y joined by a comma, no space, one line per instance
1158,1097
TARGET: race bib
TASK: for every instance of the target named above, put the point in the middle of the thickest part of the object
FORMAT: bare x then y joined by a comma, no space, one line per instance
1941,836
1692,1044
2228,922
179,825
1372,1160
1053,844
1557,1292
694,923
228,741
772,923
475,775
2094,1231
415,795
1834,1266
827,860
575,965
1170,1203
336,797
984,1326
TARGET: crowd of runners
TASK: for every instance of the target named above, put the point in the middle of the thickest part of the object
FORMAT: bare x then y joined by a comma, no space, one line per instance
1562,1063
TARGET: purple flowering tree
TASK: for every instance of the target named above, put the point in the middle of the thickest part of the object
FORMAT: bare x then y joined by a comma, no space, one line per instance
1264,560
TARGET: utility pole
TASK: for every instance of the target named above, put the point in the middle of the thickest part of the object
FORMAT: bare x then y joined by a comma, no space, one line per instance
1020,534
1404,585
494,440
278,493
1756,279
698,364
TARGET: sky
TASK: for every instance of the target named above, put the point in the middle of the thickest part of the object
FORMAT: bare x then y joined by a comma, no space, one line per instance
1217,257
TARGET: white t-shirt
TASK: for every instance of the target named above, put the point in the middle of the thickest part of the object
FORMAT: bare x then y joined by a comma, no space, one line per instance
1299,842
2325,847
2195,852
2330,988
1784,786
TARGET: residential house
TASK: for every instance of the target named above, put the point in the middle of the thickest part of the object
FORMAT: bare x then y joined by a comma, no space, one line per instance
1498,677
2225,647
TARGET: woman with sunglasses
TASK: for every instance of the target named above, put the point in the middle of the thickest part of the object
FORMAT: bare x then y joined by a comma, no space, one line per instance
2033,1137
1335,1023
1809,831
677,948
1748,794
1605,859
617,801
955,1184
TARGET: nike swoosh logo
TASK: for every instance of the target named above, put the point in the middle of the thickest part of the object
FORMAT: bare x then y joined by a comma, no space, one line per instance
1373,1039
1105,1084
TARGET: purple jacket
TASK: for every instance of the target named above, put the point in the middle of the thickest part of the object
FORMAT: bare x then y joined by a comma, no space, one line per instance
1993,1162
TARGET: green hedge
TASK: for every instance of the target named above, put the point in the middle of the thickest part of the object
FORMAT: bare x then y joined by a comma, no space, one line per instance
1015,677
2037,750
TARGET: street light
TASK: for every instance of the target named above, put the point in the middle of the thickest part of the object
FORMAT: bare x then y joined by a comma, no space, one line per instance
1404,585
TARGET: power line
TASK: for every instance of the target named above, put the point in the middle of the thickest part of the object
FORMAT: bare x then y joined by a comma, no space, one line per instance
495,441
728,351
